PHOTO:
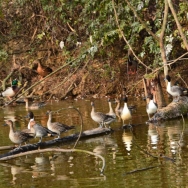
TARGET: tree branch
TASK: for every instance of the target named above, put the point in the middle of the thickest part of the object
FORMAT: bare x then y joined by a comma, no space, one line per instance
141,21
178,24
161,38
126,41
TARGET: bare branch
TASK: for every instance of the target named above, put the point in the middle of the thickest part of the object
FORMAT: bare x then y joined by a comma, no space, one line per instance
126,41
141,21
178,24
161,38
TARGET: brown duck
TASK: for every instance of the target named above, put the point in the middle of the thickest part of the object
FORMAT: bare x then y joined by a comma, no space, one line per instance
17,137
56,126
42,70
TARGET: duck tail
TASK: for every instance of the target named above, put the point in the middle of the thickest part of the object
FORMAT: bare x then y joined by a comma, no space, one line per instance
41,104
72,127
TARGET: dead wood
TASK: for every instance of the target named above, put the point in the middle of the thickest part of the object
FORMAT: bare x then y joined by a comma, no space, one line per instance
173,110
86,134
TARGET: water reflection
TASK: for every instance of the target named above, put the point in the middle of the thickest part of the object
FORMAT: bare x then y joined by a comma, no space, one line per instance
14,170
9,113
174,134
127,138
153,136
81,170
40,167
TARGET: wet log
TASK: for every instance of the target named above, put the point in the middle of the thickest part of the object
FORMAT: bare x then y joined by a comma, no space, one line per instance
173,110
84,135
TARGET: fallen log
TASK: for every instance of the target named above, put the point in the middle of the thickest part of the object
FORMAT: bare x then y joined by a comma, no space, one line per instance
173,110
86,134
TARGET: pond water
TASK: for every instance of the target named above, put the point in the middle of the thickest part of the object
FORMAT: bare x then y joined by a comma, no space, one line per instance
131,156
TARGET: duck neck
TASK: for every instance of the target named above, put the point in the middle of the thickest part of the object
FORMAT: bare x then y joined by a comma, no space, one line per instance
14,87
29,126
49,118
110,107
125,106
11,128
118,106
26,104
92,109
39,65
169,86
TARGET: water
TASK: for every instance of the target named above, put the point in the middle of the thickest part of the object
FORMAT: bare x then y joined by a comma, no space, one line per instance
130,155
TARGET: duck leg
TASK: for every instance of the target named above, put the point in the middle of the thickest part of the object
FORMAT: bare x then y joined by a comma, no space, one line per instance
57,137
149,116
40,140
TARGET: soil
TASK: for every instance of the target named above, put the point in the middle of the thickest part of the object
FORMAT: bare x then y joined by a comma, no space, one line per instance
92,79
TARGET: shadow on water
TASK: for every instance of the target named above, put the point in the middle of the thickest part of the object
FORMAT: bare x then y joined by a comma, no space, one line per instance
139,157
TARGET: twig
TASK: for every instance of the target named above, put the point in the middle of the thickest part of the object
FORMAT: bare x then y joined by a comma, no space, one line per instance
178,23
25,84
4,81
183,129
161,38
67,78
139,170
182,80
6,147
73,30
141,21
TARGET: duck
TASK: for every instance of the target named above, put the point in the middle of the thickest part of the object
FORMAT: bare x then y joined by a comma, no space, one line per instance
40,131
33,106
30,115
42,70
119,109
31,130
184,90
11,91
57,127
17,137
126,113
174,91
101,118
152,106
111,111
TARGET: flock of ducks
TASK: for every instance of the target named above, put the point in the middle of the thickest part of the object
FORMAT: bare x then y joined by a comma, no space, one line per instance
55,128
105,119
125,113
35,130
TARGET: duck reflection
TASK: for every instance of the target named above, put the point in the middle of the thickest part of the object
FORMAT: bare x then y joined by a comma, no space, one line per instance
14,170
9,113
174,134
41,164
153,136
100,150
127,138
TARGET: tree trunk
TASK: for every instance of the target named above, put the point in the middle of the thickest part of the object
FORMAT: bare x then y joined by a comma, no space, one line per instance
173,110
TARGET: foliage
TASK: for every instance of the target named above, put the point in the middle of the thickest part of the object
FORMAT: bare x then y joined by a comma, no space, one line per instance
92,24
3,55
